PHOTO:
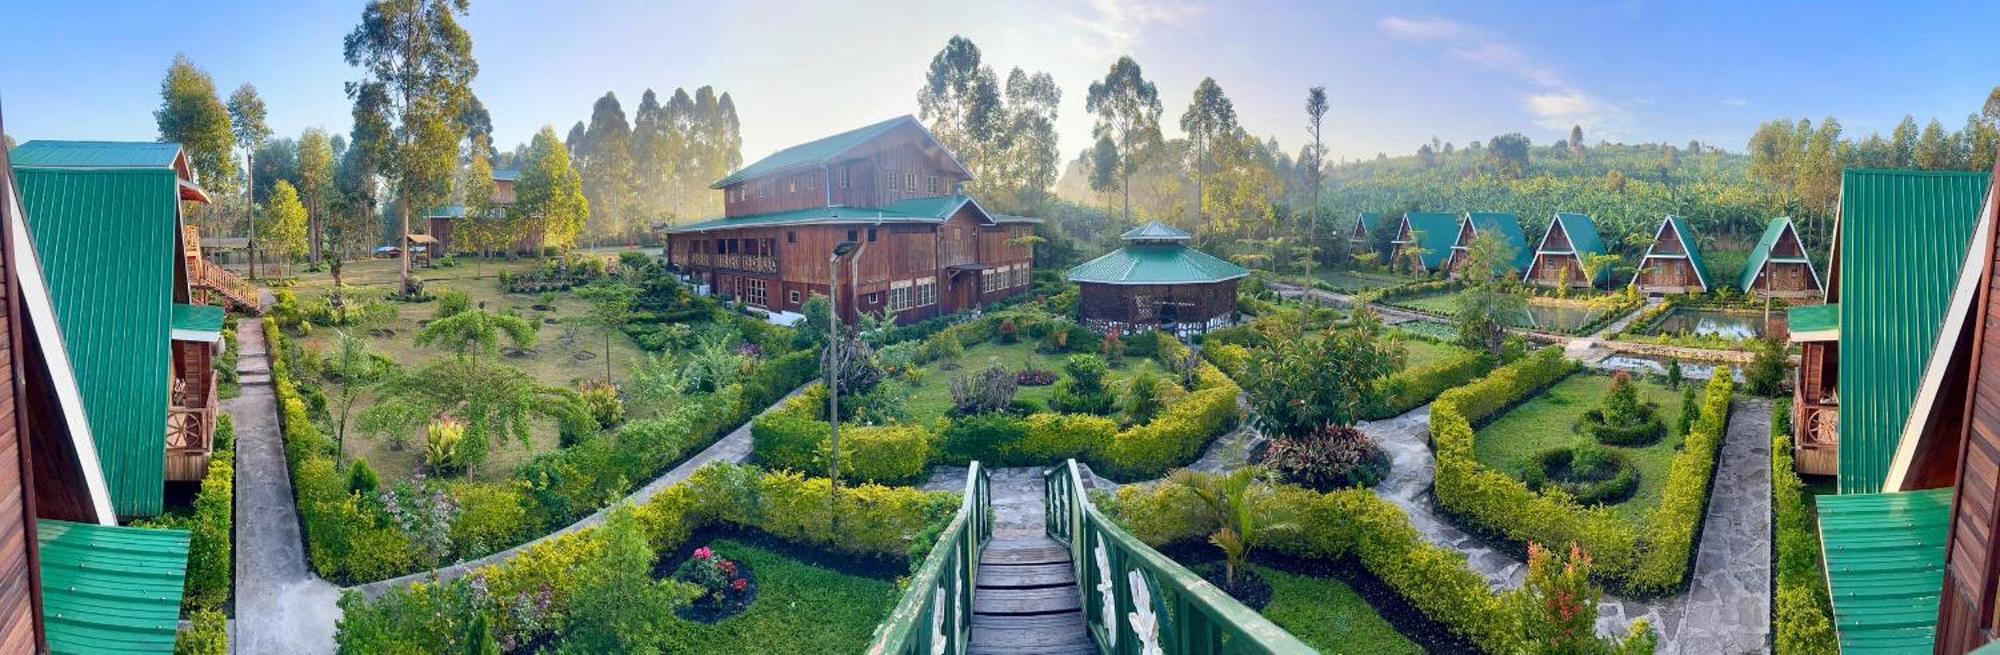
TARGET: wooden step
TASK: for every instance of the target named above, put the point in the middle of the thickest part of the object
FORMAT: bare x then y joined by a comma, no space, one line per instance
1024,555
1025,575
1052,633
1031,600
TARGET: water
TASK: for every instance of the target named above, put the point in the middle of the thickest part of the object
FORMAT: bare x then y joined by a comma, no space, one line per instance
1555,318
1690,370
1737,325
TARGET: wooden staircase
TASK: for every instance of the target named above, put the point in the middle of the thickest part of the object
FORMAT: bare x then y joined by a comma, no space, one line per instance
1027,600
221,285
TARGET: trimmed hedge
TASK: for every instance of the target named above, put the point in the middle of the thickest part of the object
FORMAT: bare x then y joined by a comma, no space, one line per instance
1655,562
1409,389
211,533
1804,622
207,634
794,438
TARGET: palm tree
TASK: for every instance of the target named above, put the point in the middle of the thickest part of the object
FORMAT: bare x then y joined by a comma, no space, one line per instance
1239,509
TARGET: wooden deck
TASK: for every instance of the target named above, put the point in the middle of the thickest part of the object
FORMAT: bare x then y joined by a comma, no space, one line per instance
1027,600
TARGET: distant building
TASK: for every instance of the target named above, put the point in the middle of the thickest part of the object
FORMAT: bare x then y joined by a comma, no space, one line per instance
1778,266
1423,242
443,221
1157,282
1570,239
1503,226
1673,262
926,248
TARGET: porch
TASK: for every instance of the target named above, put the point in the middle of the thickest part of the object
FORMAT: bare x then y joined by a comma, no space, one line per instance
192,403
1816,391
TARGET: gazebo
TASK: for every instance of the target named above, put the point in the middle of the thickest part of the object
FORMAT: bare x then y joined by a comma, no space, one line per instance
1156,282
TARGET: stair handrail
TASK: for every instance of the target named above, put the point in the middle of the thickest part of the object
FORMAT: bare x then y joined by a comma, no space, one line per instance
935,613
1115,569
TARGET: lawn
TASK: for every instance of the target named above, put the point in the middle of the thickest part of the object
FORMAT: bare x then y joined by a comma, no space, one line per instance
1346,281
1443,304
930,398
1327,615
1546,421
566,350
799,608
1425,353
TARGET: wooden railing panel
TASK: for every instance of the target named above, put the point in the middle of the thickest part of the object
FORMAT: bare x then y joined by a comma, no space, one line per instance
935,614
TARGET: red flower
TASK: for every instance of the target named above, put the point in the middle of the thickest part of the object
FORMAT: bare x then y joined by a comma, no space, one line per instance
728,567
702,553
739,585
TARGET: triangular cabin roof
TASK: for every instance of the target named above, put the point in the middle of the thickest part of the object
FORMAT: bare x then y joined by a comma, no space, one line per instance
1156,254
1901,245
1690,248
1507,227
1439,231
930,210
822,151
106,155
1367,223
1581,232
108,240
1777,232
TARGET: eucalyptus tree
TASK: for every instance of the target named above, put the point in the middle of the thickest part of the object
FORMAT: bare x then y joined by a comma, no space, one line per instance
316,185
1128,113
549,199
604,160
192,114
1210,117
247,122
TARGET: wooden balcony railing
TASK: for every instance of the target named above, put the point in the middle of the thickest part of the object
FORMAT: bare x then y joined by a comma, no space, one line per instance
210,280
1816,437
935,615
735,262
191,416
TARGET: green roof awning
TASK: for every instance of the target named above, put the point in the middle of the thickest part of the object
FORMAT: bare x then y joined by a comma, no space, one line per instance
916,210
200,323
1156,264
1813,323
43,153
110,589
1885,567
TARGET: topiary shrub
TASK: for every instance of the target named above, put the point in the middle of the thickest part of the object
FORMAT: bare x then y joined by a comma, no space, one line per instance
1592,474
361,478
1332,457
1081,390
992,439
1622,420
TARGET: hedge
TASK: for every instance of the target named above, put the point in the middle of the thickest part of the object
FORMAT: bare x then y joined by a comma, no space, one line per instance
207,634
1804,622
1411,388
211,533
876,522
794,438
1653,562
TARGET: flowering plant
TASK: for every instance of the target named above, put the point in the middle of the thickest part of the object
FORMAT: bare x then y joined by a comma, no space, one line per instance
720,579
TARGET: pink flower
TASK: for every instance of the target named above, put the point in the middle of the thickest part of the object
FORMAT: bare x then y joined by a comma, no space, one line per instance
739,585
702,553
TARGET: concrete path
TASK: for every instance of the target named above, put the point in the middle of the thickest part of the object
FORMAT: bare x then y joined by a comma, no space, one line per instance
281,606
1726,609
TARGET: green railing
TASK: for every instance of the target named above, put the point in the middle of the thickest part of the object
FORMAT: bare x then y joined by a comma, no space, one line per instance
1137,601
935,615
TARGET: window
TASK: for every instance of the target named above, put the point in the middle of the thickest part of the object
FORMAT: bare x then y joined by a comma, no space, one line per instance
889,179
989,281
792,296
755,293
853,235
721,246
872,299
926,292
792,185
1022,276
871,234
910,182
729,246
899,297
931,183
843,177
791,237
812,182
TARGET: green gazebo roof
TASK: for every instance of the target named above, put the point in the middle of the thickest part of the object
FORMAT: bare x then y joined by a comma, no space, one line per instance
1156,231
1156,263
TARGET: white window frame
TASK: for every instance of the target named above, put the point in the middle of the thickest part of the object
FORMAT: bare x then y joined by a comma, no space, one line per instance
926,291
899,295
890,178
932,184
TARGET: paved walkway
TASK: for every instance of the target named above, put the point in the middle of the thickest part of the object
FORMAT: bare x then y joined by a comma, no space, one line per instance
1726,609
281,606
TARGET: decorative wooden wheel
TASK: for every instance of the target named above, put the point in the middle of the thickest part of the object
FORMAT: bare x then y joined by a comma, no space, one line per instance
1823,428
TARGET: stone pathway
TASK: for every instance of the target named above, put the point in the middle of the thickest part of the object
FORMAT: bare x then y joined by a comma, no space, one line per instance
1727,607
281,606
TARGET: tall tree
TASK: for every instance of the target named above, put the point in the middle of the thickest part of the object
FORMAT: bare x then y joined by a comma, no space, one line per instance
192,114
1575,139
1312,160
1903,143
316,170
1509,153
1029,166
1210,117
1104,168
605,161
417,70
960,100
652,162
246,119
1128,112
1934,149
549,196
284,224
687,192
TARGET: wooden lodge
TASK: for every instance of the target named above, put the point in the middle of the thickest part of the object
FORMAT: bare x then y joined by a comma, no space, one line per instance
106,222
1559,257
443,223
1673,263
1897,391
925,248
1423,242
1778,266
71,579
1156,282
1502,226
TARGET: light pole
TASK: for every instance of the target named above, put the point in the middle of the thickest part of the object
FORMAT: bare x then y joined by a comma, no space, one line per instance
832,365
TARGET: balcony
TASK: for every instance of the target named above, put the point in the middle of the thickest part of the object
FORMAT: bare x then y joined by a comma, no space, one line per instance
734,262
191,412
1816,435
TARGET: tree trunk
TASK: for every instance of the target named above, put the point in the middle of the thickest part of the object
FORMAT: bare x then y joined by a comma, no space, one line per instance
403,210
250,206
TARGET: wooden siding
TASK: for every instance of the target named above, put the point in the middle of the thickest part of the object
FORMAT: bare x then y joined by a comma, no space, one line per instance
1548,270
1664,275
20,585
1132,306
901,165
1785,280
1966,610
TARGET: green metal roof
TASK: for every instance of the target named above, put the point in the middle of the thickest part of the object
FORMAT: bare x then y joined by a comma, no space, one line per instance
1439,231
1583,240
1688,243
916,210
817,152
1885,567
1156,231
95,154
1902,241
1151,263
106,239
1371,221
110,589
937,207
1508,228
197,323
1813,322
1762,252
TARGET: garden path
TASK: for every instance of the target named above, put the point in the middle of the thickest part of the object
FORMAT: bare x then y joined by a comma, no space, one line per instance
1727,606
281,606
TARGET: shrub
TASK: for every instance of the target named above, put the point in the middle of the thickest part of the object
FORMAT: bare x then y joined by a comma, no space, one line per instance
1804,623
1671,535
792,438
1142,399
1592,474
451,302
1229,357
990,390
1332,457
601,400
1081,390
1690,410
1035,377
1008,332
717,577
943,346
444,446
1767,371
490,517
211,533
1411,388
206,634
1177,435
1621,420
983,437
361,478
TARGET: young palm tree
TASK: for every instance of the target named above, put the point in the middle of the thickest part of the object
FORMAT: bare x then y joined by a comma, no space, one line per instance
1239,509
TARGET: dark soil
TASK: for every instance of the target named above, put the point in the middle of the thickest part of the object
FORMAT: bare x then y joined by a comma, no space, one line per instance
1429,634
583,356
707,609
518,353
382,333
1250,589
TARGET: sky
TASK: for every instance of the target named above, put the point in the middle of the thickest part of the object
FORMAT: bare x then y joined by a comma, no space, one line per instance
1397,73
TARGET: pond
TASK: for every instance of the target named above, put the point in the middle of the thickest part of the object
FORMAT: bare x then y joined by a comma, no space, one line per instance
1720,323
1555,318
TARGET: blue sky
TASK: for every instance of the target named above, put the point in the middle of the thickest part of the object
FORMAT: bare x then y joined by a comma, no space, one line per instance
1398,72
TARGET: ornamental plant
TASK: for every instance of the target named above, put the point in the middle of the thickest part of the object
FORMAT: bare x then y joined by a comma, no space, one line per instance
988,391
424,512
443,446
1240,511
1622,419
720,580
1081,390
1331,457
1307,379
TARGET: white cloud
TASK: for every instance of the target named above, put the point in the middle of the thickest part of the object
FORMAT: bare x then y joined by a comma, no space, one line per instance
1503,57
1736,102
1111,28
1553,102
1420,29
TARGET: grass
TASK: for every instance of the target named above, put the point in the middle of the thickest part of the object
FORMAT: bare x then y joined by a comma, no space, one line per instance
930,398
799,608
1425,353
1442,304
1346,281
1327,615
566,351
1546,422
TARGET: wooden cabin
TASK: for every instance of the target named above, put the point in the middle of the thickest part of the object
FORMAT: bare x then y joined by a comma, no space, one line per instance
926,248
1156,282
1502,226
71,580
1423,242
1560,255
443,222
1778,266
1673,262
1815,329
106,222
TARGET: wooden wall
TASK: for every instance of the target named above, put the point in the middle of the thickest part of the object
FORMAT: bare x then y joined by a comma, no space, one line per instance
1785,280
1151,304
1966,609
1548,268
20,591
1661,275
897,166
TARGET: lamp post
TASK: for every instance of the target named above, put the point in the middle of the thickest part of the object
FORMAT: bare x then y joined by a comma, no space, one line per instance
832,365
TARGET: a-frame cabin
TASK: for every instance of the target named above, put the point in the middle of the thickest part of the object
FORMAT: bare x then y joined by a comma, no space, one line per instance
1778,267
1673,263
1503,226
1570,239
1365,224
1423,242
